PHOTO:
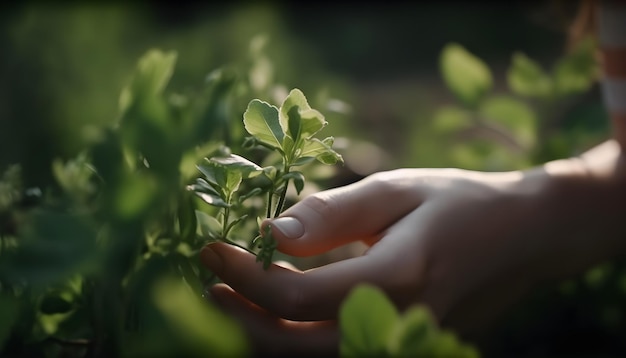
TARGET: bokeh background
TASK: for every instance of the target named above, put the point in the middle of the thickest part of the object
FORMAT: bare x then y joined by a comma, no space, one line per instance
374,69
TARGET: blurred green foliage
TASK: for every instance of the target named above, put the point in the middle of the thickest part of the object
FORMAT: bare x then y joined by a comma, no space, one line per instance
371,326
97,229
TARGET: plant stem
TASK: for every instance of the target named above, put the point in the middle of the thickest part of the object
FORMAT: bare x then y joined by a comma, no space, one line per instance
283,194
270,195
225,223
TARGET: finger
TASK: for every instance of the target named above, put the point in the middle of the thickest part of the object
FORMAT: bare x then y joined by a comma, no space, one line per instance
332,218
273,335
315,294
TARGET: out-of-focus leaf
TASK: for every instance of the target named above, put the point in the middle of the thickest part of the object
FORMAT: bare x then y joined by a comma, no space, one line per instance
54,303
135,195
9,310
204,329
576,72
366,321
54,246
261,120
515,115
153,73
189,273
527,78
412,332
467,76
417,335
451,120
186,217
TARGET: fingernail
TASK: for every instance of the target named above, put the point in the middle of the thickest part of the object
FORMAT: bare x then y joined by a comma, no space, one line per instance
290,227
211,260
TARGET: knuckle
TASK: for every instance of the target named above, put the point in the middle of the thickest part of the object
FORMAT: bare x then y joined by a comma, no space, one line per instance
322,204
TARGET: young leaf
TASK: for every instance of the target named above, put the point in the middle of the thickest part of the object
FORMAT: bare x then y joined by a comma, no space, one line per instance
296,106
366,321
298,180
202,185
208,226
467,76
235,162
320,150
212,199
233,180
212,174
261,120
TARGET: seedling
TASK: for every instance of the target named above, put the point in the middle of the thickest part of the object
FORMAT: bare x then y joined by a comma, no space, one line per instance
288,131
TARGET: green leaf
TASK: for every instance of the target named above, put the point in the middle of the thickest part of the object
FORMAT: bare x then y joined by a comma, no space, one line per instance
298,180
213,173
320,150
577,71
527,78
203,186
53,247
261,120
235,162
366,321
467,76
299,117
451,120
233,180
9,311
516,116
153,72
208,226
135,195
189,273
186,217
412,333
213,199
204,329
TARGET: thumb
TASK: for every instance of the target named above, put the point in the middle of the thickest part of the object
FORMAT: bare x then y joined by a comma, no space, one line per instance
335,217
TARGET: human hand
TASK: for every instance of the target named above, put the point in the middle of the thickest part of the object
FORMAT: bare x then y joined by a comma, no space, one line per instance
465,243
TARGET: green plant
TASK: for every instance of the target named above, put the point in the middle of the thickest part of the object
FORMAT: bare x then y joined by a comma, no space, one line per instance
103,262
545,114
371,326
288,131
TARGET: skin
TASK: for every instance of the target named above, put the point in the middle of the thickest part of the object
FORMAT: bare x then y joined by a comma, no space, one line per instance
467,244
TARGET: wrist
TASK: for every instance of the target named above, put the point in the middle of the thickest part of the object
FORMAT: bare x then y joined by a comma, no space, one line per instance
581,204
